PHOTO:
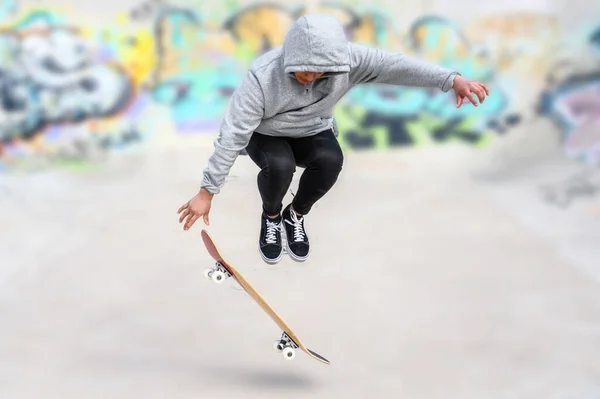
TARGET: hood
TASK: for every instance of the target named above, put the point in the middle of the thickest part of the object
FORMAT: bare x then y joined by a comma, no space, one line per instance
316,43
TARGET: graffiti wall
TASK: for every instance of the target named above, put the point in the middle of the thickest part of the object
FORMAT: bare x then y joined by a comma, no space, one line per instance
68,91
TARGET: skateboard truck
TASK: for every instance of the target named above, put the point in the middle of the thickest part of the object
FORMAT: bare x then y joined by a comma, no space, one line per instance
286,346
218,274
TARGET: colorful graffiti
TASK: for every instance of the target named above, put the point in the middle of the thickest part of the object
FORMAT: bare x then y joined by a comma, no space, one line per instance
49,77
196,71
172,67
573,103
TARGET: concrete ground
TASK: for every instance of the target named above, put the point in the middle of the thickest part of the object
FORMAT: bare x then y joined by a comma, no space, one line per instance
423,283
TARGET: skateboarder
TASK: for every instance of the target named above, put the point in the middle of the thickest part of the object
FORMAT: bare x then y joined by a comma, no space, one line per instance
282,117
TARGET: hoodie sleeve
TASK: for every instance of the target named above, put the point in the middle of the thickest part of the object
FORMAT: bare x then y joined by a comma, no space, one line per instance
244,113
372,65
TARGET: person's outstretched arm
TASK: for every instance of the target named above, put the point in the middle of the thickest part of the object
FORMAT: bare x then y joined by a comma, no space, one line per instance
243,114
374,65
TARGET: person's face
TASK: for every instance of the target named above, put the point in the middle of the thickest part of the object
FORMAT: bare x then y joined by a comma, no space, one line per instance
307,77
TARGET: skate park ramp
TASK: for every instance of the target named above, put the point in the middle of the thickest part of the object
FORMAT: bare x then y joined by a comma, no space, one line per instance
434,273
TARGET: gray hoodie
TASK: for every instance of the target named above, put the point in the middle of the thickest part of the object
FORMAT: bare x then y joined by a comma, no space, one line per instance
271,101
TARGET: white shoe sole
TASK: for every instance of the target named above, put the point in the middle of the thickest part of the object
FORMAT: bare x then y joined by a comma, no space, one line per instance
270,261
294,256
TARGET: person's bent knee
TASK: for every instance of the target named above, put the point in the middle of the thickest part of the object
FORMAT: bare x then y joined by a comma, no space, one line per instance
329,159
280,168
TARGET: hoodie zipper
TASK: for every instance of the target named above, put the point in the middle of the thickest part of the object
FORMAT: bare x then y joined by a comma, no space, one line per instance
307,87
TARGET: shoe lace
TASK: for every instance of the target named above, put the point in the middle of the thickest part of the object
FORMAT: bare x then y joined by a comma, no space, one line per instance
272,228
298,227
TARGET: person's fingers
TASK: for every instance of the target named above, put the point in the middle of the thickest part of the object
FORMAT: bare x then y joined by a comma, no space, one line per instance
182,207
480,94
487,90
206,221
460,99
190,222
184,215
472,99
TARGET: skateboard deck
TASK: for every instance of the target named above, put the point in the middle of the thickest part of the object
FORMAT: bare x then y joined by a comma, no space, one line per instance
289,341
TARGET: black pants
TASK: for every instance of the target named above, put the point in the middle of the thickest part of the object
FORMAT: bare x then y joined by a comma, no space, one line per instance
277,158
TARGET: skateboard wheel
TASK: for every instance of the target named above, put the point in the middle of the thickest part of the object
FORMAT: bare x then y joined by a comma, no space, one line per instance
289,353
208,274
277,346
218,276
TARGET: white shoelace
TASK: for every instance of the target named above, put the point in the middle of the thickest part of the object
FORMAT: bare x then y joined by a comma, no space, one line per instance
298,230
272,228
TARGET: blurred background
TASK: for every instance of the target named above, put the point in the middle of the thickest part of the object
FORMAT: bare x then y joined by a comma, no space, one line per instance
468,237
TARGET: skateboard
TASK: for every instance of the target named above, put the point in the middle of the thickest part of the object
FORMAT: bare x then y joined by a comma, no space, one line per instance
289,341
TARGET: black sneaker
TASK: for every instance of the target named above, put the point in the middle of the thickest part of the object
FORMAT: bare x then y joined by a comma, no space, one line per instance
270,244
296,239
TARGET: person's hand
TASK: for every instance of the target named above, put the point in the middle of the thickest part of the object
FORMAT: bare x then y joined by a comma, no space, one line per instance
198,206
464,89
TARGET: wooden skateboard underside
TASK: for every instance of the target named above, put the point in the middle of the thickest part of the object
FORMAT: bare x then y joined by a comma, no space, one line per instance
288,335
